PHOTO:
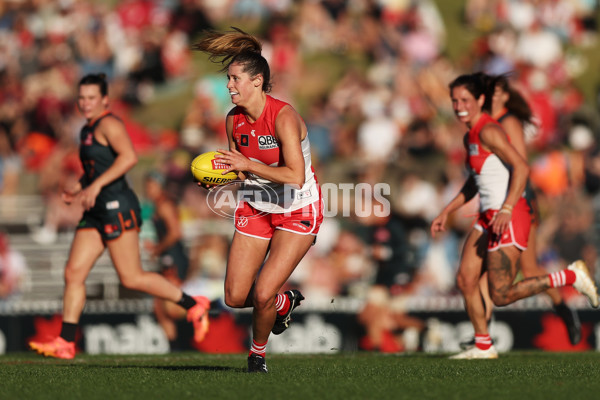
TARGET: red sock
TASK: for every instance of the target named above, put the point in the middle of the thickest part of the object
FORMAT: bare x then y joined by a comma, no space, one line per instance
483,342
258,348
282,303
565,277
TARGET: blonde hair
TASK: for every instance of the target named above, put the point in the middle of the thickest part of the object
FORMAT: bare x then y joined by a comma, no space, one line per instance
236,46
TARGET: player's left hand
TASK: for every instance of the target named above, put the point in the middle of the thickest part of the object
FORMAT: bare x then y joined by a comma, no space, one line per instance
236,160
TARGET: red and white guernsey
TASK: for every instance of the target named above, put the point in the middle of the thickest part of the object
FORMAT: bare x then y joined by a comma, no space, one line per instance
257,141
492,177
491,174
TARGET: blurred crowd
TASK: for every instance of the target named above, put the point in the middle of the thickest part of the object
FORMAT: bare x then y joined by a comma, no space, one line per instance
370,79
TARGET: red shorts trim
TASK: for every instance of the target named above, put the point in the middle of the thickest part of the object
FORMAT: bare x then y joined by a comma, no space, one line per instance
517,233
252,222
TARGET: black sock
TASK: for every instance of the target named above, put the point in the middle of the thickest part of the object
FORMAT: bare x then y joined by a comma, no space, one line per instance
186,301
560,307
68,331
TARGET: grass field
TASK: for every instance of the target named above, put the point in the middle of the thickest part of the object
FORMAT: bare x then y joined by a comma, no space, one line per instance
517,375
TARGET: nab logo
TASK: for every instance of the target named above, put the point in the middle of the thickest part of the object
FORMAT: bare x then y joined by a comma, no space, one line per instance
242,222
267,143
244,140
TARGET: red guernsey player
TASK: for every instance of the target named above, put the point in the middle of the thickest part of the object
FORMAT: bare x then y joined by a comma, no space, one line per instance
498,173
268,145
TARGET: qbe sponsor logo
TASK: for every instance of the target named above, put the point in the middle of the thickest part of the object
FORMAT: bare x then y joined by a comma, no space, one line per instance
267,142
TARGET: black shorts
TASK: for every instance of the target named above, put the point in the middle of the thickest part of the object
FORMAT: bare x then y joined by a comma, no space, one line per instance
114,216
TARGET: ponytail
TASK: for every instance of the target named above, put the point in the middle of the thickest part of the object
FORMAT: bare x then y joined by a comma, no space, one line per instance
516,103
236,46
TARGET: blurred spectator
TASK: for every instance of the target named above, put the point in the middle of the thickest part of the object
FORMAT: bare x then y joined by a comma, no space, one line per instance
208,261
550,173
353,268
13,269
319,124
321,280
189,18
538,47
571,231
92,46
417,199
203,126
378,135
61,168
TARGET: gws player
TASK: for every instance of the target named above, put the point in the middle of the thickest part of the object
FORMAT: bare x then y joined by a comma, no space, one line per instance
111,220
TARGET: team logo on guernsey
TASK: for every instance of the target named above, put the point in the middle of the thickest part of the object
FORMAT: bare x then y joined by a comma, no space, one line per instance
473,149
267,142
244,140
89,139
218,165
242,222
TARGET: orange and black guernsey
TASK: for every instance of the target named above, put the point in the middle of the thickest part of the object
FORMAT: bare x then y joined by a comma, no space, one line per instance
117,207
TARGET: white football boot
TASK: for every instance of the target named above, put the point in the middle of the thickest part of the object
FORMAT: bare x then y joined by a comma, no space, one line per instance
584,283
475,353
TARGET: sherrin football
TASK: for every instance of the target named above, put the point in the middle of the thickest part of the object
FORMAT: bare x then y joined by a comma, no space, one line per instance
208,170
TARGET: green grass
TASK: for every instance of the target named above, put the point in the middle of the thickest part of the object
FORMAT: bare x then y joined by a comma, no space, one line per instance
517,375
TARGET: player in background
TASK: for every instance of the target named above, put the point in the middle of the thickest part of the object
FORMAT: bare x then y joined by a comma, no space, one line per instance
269,148
498,173
168,250
507,106
111,220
